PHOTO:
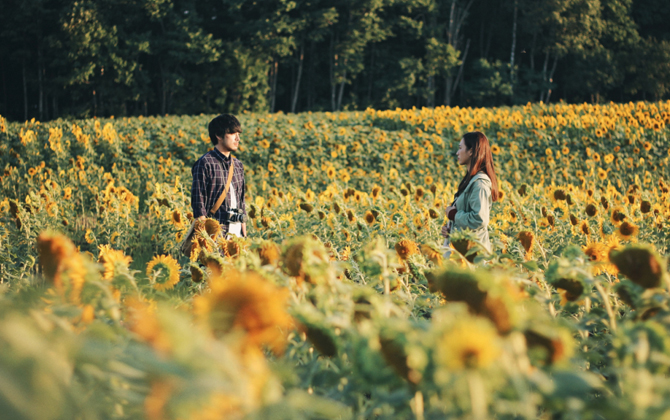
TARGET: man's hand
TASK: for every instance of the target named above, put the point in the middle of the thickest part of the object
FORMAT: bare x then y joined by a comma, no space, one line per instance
445,231
244,230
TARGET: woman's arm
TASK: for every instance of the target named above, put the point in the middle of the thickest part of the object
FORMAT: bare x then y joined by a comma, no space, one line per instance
478,201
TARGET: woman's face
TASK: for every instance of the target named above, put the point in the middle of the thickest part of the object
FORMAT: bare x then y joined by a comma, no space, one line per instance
463,154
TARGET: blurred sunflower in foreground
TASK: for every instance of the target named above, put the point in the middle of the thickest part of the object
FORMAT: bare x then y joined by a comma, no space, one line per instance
246,302
63,266
470,344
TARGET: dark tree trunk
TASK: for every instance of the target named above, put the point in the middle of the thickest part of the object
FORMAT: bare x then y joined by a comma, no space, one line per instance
451,84
333,64
294,102
339,95
551,76
275,73
544,75
95,104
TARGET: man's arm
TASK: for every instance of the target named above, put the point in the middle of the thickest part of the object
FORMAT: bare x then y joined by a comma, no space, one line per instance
243,205
199,190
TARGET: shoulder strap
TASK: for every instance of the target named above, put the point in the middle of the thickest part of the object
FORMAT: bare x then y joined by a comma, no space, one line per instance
225,190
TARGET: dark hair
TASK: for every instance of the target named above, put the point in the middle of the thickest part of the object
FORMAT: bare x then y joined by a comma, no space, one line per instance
481,160
222,125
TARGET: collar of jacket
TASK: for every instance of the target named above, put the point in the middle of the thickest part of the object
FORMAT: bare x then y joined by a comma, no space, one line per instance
479,175
217,153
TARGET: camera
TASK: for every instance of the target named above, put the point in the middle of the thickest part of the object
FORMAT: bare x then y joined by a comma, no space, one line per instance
234,216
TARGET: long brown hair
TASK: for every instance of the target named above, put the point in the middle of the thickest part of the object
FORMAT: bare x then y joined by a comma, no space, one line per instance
481,160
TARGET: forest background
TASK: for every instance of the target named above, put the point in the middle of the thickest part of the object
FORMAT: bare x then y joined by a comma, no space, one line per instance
83,58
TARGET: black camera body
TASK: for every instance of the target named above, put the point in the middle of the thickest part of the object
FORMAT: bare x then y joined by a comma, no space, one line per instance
234,216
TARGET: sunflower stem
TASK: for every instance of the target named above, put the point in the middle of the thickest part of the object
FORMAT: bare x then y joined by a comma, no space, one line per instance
608,305
417,405
477,395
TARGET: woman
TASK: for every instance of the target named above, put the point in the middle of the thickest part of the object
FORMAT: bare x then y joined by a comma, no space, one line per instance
477,190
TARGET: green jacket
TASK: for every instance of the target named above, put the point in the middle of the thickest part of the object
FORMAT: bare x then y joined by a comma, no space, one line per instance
473,208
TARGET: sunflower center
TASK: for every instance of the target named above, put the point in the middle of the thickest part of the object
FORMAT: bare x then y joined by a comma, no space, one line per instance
162,272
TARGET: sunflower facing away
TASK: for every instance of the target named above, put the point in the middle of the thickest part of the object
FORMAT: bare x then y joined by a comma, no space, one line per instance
113,261
164,270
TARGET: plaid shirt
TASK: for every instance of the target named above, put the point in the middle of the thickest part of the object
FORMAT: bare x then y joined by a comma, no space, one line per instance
210,174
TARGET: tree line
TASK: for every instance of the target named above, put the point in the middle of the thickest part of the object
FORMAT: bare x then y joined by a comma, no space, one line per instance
84,58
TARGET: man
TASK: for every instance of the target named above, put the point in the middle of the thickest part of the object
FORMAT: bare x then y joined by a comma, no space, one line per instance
210,174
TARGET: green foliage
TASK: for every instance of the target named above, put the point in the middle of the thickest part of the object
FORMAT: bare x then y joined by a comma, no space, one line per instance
83,59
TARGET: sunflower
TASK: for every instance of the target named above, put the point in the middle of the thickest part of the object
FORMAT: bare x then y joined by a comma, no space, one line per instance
164,271
604,203
431,254
527,239
428,180
602,174
584,227
62,265
369,217
470,344
232,248
645,206
269,253
617,216
406,248
142,320
212,227
246,302
559,195
627,230
306,207
331,172
418,195
597,253
52,209
89,236
113,261
197,275
176,219
591,210
573,220
641,264
376,191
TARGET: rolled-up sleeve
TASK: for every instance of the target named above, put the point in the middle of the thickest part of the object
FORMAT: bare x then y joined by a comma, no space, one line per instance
199,189
478,202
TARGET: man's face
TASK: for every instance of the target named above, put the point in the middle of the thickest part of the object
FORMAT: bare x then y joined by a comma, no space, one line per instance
230,142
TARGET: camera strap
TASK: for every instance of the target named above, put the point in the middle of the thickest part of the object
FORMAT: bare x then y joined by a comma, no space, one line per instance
222,197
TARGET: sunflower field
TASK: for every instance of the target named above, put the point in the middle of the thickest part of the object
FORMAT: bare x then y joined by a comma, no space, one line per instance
339,304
